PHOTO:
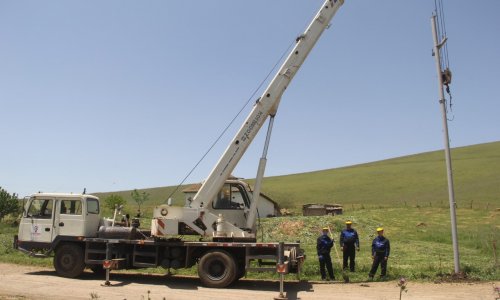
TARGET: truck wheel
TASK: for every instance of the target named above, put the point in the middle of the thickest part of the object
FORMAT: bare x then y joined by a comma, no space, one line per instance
69,260
217,269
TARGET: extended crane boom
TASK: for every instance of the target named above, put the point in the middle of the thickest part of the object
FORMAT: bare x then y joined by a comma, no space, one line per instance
199,215
266,105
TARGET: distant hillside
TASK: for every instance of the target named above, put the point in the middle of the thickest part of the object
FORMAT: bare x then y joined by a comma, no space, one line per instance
411,180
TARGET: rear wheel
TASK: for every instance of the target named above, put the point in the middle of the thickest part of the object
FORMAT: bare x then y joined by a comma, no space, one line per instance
241,271
217,269
69,260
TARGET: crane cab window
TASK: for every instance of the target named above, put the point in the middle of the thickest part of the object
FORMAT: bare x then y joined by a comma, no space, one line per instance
230,197
41,208
71,207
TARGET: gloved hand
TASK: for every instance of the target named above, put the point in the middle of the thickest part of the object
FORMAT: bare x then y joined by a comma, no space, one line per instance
321,258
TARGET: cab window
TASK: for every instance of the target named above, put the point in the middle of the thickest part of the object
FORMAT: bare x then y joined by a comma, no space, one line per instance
41,208
229,197
92,206
71,207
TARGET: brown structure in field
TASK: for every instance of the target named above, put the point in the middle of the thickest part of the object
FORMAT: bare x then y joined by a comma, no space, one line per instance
321,209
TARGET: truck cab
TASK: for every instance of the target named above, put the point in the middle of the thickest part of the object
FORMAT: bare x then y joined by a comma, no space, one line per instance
49,218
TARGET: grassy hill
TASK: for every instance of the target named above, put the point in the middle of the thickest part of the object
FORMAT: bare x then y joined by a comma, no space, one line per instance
407,196
416,180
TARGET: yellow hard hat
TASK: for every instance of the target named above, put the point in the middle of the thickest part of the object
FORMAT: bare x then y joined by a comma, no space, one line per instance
326,228
348,222
380,229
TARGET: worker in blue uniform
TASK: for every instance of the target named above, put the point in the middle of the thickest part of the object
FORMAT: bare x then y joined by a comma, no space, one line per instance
323,246
381,249
349,243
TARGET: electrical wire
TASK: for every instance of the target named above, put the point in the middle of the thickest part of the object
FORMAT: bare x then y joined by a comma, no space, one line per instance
441,30
445,62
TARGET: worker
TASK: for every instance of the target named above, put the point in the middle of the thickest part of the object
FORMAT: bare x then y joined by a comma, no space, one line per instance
323,246
381,249
349,243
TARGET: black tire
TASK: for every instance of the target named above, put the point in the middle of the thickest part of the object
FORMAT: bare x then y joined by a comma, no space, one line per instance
241,271
217,269
69,260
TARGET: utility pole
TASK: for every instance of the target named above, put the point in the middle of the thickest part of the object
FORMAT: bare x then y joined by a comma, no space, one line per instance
442,101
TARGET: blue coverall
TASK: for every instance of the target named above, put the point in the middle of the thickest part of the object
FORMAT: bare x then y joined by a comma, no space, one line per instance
323,246
349,241
381,249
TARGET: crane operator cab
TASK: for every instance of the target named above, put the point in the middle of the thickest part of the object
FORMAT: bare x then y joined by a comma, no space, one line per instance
231,204
231,197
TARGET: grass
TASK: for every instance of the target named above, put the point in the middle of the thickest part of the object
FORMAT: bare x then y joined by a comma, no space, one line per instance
420,242
406,195
416,180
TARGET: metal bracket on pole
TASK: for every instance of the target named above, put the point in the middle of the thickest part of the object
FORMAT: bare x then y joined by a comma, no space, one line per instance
442,43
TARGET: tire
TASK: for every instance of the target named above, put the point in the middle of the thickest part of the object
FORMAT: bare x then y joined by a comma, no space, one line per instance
69,260
217,269
241,271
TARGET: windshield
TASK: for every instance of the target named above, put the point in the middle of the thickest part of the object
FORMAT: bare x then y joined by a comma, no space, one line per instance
41,208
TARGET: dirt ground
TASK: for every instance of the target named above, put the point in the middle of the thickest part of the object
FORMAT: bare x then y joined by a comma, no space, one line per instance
24,282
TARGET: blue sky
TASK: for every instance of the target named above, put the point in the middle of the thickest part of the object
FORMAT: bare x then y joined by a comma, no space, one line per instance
115,95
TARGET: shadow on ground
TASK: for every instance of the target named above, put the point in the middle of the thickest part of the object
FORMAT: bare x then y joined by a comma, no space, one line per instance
292,288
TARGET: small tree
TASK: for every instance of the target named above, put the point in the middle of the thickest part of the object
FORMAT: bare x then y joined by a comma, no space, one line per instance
139,198
8,203
113,201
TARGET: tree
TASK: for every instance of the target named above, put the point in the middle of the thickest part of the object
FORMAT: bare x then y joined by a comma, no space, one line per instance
113,201
8,203
139,198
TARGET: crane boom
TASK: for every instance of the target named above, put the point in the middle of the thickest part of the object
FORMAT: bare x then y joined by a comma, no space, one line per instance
267,104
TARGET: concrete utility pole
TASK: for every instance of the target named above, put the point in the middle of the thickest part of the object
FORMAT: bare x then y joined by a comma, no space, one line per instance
442,101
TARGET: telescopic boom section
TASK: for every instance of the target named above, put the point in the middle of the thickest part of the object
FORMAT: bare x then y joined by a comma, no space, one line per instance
266,105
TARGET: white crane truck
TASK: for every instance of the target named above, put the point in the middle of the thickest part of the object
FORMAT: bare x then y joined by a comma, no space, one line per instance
223,213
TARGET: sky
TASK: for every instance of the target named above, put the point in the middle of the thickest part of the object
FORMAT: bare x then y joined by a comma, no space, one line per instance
117,95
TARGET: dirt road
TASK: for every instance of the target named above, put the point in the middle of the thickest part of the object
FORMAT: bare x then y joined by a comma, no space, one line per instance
24,282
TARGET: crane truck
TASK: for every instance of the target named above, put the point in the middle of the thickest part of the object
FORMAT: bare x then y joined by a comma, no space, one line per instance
222,213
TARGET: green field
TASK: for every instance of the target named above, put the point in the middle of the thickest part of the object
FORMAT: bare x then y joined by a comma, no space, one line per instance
407,196
416,180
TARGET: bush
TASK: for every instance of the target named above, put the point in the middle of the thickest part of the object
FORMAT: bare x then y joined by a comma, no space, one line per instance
8,203
113,201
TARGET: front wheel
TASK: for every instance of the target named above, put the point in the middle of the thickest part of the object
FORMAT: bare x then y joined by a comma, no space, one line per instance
69,260
217,269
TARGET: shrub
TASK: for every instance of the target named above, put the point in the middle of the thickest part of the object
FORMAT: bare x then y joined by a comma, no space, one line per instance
8,203
113,201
